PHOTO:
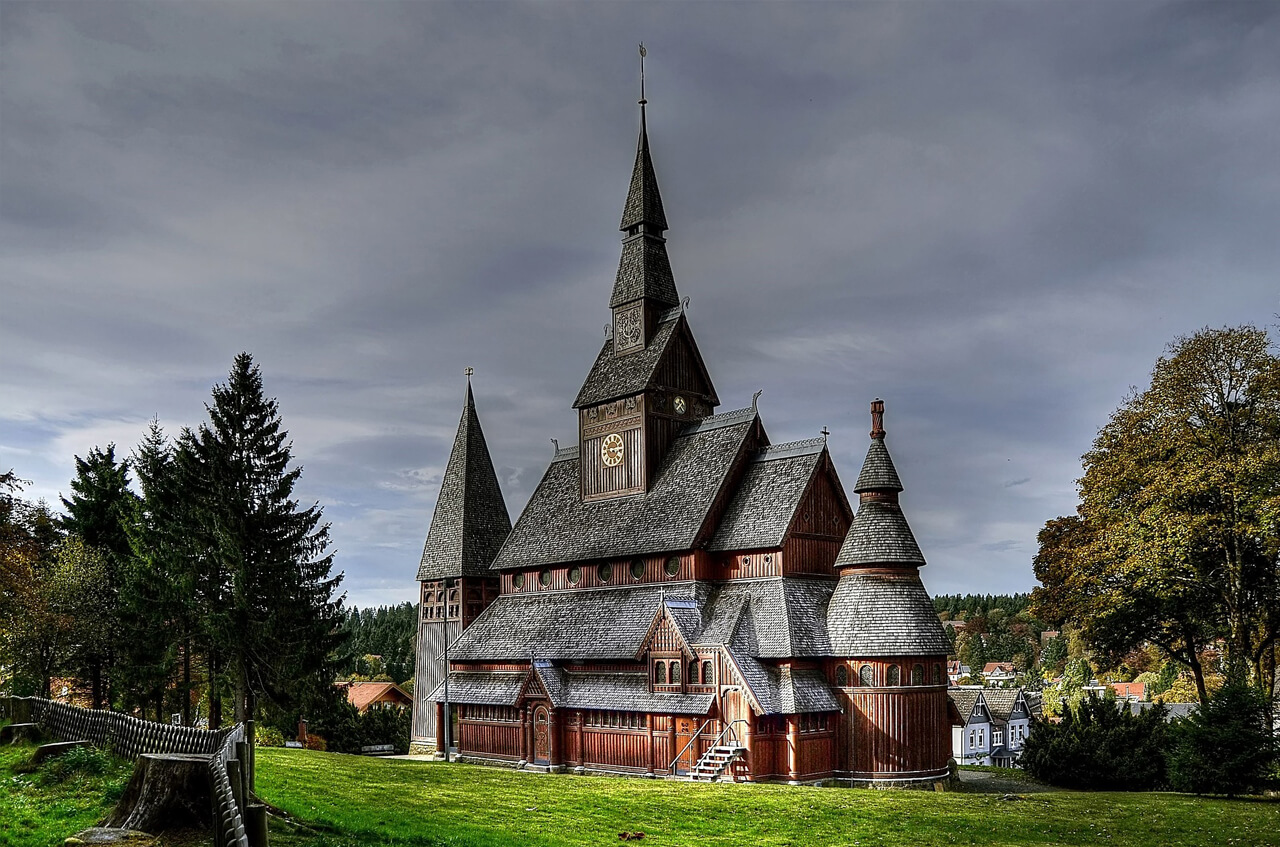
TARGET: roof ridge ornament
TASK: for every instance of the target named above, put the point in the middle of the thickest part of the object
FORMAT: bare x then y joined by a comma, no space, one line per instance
877,419
755,399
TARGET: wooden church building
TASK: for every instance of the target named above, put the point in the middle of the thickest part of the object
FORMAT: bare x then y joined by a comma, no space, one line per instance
680,596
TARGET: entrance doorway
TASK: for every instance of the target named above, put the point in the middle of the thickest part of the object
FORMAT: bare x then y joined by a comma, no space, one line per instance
541,736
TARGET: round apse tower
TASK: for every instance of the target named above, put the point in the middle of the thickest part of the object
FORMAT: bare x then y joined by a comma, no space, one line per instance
888,649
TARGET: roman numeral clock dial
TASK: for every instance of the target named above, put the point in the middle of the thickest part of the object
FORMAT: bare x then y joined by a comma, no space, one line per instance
611,449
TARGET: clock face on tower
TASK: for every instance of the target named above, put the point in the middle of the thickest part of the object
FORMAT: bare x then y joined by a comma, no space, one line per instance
611,449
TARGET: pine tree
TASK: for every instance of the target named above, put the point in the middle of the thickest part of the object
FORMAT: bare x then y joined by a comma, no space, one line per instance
263,580
99,511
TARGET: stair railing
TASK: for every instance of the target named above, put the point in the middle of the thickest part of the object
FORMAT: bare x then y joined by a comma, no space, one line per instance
728,730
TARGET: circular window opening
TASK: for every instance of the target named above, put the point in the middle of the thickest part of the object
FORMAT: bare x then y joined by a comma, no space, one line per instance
604,572
637,569
575,575
746,560
518,581
768,560
544,577
673,566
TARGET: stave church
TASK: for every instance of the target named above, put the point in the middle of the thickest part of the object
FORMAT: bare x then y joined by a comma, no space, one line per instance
680,597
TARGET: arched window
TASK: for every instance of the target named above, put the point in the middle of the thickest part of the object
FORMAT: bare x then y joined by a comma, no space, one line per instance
660,673
917,675
842,676
937,674
707,678
866,676
693,673
675,672
894,676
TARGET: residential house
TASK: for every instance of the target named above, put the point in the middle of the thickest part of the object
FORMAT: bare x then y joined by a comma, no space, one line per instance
376,695
993,724
1130,691
999,673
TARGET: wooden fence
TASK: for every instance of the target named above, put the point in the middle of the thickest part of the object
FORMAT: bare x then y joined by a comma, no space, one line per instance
130,737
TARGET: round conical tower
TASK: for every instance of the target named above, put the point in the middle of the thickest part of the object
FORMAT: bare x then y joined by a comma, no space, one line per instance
889,651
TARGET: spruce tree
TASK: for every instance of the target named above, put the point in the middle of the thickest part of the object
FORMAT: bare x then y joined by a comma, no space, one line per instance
99,511
269,614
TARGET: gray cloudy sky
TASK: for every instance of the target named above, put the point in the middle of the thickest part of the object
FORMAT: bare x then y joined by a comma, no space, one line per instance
994,216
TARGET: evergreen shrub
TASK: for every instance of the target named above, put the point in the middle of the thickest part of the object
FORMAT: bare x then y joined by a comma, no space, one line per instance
1225,746
1100,746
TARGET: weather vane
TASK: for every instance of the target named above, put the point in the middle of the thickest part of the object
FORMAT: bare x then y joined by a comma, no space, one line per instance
469,372
643,53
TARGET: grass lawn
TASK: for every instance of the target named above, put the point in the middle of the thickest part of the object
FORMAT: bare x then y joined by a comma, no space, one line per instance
43,807
350,801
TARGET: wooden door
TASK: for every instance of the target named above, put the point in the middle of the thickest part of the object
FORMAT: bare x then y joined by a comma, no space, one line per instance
686,728
541,736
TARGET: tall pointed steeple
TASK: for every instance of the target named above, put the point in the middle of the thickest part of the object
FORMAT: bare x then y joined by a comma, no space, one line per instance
644,272
471,519
879,534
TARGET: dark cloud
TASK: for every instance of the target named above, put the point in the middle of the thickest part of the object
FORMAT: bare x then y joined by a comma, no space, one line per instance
992,215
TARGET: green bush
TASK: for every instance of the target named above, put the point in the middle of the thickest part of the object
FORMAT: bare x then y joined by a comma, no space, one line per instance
90,761
1100,746
268,736
1225,747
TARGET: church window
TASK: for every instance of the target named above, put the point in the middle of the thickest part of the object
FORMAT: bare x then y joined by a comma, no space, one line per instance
937,674
637,569
604,572
575,575
660,673
518,581
866,676
768,559
917,675
842,676
707,679
693,673
746,560
894,676
673,566
675,672
544,577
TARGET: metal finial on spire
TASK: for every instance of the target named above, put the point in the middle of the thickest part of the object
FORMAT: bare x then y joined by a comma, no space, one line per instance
469,372
643,53
877,418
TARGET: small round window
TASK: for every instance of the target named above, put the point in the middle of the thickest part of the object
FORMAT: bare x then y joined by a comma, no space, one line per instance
544,577
673,566
518,581
637,569
575,575
604,572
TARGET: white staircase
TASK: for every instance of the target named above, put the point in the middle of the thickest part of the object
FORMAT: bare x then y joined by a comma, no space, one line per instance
716,761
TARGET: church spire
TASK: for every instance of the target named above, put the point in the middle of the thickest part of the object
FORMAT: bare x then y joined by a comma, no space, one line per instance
471,519
879,535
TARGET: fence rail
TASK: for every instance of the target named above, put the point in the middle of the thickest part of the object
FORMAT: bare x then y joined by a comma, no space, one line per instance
130,737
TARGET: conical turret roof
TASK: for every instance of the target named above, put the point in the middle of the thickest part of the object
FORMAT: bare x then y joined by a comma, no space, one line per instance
879,534
471,519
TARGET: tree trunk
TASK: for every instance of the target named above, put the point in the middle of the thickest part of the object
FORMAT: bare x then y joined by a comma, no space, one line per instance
166,791
186,682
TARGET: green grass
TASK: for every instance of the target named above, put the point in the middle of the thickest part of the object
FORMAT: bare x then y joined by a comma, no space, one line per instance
42,806
349,801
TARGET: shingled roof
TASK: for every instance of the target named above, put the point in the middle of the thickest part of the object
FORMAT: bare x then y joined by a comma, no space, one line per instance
644,271
644,202
471,520
779,617
573,690
878,472
556,526
612,377
884,614
879,535
766,501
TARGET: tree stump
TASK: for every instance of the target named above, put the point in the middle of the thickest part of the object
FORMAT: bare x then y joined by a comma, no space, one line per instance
166,791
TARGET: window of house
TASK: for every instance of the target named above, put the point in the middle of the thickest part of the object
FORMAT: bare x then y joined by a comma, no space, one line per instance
972,739
997,737
982,738
707,678
894,676
675,672
660,673
917,675
842,676
866,675
693,673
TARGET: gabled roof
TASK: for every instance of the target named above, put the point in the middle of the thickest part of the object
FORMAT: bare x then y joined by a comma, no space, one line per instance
603,623
884,614
1006,703
364,694
769,618
765,504
971,704
613,377
557,526
471,520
